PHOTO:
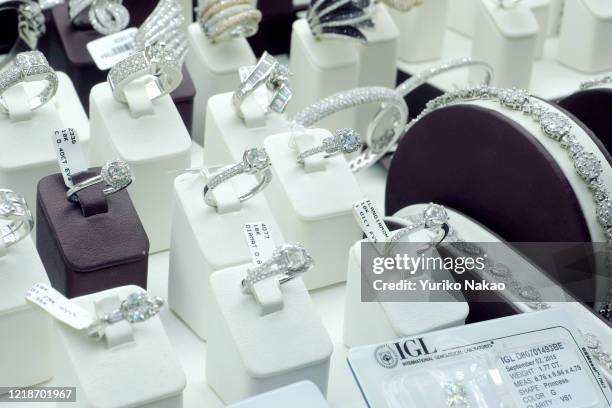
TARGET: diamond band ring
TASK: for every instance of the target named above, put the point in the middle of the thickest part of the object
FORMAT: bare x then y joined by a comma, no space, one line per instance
30,27
29,66
342,19
254,162
274,75
343,141
16,220
287,262
225,19
155,62
383,131
104,16
164,25
137,307
115,174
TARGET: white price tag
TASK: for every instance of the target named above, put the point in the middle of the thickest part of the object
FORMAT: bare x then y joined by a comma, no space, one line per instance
260,241
371,223
69,154
58,306
547,375
110,49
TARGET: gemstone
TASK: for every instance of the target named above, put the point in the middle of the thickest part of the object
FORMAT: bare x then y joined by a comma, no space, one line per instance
604,213
117,174
257,159
139,306
514,98
348,140
588,165
435,215
599,189
294,257
555,125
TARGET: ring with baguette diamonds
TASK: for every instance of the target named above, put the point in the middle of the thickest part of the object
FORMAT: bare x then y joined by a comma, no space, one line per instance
383,131
343,141
115,174
104,16
17,221
136,308
30,27
274,75
287,262
156,62
255,162
29,66
225,19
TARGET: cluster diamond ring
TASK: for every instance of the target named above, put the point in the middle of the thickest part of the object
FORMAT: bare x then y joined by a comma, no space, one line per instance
15,216
272,74
30,27
104,16
343,141
255,162
155,62
164,25
225,19
343,19
115,174
29,66
383,131
287,262
137,307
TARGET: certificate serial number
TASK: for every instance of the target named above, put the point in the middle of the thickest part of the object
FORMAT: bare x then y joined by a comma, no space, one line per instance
38,394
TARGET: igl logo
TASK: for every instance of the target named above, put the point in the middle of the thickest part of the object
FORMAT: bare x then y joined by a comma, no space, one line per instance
389,355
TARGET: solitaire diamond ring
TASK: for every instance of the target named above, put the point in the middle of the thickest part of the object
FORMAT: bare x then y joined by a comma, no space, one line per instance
433,218
343,141
383,131
137,307
225,19
29,66
287,262
164,25
343,19
16,220
104,16
155,62
254,162
30,27
115,174
274,75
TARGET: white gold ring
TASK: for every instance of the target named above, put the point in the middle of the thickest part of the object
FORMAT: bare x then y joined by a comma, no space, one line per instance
115,174
29,66
225,19
104,16
30,27
343,19
343,141
287,262
155,61
17,221
255,162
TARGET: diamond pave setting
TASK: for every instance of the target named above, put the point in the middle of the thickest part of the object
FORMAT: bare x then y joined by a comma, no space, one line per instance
117,174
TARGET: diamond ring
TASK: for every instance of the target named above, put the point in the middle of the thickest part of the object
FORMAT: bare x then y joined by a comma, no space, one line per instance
402,5
343,141
116,174
29,66
30,27
155,61
340,18
104,16
275,76
137,307
255,162
17,220
287,262
383,131
433,218
164,25
225,19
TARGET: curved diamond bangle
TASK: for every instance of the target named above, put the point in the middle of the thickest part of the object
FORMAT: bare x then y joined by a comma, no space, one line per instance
29,66
116,174
343,141
287,262
271,73
156,61
254,162
340,19
30,27
104,16
137,307
18,220
391,103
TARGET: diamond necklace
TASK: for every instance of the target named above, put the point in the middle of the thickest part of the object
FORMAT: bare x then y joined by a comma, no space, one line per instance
559,128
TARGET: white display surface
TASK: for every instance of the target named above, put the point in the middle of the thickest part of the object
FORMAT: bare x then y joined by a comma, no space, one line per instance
299,395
